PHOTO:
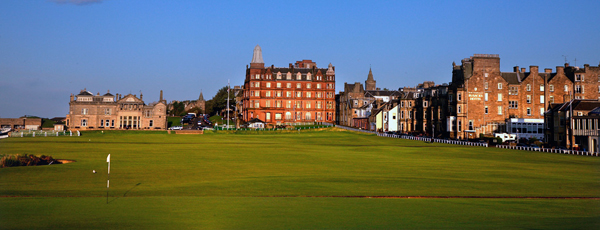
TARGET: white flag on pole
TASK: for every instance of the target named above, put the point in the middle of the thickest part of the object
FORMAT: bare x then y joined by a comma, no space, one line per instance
108,158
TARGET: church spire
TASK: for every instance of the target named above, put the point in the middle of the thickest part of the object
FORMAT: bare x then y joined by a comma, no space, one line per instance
201,97
370,76
370,82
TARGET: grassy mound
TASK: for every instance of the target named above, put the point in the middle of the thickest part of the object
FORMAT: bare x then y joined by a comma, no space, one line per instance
14,160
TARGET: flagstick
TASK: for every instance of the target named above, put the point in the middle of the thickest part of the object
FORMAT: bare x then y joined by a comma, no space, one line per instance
108,177
107,182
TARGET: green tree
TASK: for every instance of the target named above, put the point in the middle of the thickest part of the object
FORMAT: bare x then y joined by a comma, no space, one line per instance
178,109
219,101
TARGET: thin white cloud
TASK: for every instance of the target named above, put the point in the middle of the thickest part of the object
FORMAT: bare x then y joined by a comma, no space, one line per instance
76,2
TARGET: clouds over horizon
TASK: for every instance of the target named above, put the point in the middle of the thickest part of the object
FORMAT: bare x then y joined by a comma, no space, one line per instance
76,2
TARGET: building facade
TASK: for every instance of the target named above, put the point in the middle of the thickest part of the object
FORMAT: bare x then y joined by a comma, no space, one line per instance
573,124
355,103
299,93
110,112
482,98
30,123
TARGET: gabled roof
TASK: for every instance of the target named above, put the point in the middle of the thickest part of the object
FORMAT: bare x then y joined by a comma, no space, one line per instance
512,78
108,95
382,93
85,93
130,98
255,120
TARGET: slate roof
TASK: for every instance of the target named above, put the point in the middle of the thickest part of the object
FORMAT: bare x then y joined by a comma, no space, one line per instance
580,104
255,120
595,111
382,93
296,70
515,78
512,78
408,96
85,93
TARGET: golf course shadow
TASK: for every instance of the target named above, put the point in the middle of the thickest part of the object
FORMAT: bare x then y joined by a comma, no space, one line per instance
125,194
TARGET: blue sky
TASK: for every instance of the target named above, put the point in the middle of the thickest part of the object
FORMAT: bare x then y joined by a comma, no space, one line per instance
50,49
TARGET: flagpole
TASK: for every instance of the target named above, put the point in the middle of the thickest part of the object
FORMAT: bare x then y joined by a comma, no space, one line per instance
227,104
108,177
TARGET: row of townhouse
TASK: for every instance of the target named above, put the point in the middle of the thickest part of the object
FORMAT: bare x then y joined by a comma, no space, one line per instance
480,100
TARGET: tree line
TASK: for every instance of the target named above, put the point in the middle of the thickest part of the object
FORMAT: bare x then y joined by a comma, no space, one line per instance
213,106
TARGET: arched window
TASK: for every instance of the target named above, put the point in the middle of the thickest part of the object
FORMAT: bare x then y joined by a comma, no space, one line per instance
298,76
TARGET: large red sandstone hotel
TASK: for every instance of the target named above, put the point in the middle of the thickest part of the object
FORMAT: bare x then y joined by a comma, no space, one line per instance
300,93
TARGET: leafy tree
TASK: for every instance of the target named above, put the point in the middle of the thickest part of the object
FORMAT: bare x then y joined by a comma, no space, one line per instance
219,101
178,109
208,105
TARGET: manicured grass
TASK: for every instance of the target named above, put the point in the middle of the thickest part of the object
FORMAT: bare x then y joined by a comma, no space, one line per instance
275,180
295,213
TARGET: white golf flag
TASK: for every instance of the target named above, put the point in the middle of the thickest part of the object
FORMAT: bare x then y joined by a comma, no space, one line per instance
108,158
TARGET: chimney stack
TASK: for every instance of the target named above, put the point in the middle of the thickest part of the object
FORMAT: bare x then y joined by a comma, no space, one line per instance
516,69
547,70
522,70
161,95
533,69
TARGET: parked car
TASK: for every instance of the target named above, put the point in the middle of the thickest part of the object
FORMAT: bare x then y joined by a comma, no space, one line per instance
522,145
176,128
534,146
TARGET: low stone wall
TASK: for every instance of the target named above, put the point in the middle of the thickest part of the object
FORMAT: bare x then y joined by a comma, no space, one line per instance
187,131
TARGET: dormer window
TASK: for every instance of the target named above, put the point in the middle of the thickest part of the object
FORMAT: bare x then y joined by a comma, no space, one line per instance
278,75
308,76
298,76
288,76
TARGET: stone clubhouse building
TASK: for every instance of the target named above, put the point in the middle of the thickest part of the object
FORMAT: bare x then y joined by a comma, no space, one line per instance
109,112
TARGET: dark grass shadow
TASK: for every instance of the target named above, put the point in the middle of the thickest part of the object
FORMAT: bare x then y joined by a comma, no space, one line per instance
124,194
